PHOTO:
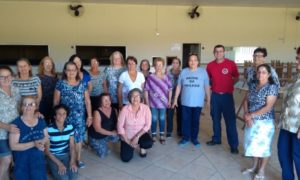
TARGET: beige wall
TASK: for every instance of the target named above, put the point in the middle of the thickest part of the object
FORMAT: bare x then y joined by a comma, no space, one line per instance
134,27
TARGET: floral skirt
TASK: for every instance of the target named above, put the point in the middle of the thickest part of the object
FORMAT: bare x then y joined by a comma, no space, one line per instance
258,138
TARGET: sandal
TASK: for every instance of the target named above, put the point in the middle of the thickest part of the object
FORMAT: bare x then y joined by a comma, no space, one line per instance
248,171
259,177
162,141
143,155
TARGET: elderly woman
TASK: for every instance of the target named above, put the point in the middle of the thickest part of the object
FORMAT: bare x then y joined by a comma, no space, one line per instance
134,123
28,144
61,149
259,57
259,117
158,93
193,84
98,82
289,136
10,98
73,92
104,128
48,79
28,84
112,74
129,80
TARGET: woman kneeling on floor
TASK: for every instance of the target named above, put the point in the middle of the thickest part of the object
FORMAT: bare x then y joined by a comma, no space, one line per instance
104,128
133,124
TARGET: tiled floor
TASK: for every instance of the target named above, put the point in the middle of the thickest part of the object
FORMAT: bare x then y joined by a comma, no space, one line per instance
172,162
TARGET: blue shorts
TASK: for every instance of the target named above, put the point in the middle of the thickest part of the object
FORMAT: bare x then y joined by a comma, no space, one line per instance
4,148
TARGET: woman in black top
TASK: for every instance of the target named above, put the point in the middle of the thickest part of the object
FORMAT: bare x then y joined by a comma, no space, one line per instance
104,128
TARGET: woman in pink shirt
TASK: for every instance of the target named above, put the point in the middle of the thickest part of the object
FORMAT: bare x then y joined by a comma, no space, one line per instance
134,123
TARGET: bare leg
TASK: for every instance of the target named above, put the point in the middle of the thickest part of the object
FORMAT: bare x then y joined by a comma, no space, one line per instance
78,148
262,166
4,167
254,167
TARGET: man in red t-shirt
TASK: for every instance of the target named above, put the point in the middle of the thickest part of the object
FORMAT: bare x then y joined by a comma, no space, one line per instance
223,74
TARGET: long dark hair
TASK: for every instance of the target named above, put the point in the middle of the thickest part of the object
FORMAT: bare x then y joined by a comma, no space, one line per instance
72,58
268,68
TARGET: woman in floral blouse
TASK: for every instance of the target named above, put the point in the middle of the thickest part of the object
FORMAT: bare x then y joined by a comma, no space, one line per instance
289,136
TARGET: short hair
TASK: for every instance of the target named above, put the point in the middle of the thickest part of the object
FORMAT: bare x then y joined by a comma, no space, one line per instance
99,99
159,59
193,54
3,67
132,58
298,50
41,66
261,50
145,60
29,64
60,106
219,46
22,101
73,57
96,58
64,75
111,58
268,68
129,96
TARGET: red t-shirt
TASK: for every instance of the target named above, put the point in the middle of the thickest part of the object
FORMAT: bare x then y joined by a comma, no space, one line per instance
221,75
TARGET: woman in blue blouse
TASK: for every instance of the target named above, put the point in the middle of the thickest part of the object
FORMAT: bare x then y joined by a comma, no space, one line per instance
259,117
73,92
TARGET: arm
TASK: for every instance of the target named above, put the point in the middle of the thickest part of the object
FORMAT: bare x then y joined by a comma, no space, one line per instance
9,127
88,108
146,97
121,124
207,93
90,86
105,86
56,98
177,92
170,98
16,146
120,98
39,95
269,104
98,127
73,165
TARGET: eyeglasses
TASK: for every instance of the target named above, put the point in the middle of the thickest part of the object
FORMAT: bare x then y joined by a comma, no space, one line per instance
29,104
5,77
71,70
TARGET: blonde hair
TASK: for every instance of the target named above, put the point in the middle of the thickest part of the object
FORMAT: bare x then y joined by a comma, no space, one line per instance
111,58
22,101
41,66
159,59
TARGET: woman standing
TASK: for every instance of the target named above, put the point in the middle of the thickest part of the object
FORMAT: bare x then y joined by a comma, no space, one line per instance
289,136
193,84
97,80
72,92
10,98
48,79
145,67
28,144
83,74
28,84
259,117
158,93
129,80
173,73
134,123
104,128
112,74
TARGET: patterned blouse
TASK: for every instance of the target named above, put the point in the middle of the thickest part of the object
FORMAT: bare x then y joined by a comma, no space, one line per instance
28,87
257,99
97,83
290,114
8,108
112,77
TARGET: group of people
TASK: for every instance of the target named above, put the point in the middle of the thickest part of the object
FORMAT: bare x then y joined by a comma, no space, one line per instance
46,115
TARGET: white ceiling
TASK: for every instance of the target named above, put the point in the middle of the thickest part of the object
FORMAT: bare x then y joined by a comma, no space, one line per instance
247,3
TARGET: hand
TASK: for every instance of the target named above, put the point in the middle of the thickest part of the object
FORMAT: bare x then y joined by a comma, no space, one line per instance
174,104
134,142
114,133
169,104
40,144
62,169
247,117
13,129
39,115
208,104
73,167
89,122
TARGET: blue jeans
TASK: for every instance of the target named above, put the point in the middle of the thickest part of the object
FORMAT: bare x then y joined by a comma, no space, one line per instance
158,115
289,153
224,104
170,114
65,159
190,122
101,145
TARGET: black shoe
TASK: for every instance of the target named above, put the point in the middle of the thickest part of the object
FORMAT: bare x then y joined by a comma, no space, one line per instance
212,143
234,151
143,155
169,135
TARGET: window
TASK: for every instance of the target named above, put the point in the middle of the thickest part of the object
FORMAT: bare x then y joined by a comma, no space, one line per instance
240,54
